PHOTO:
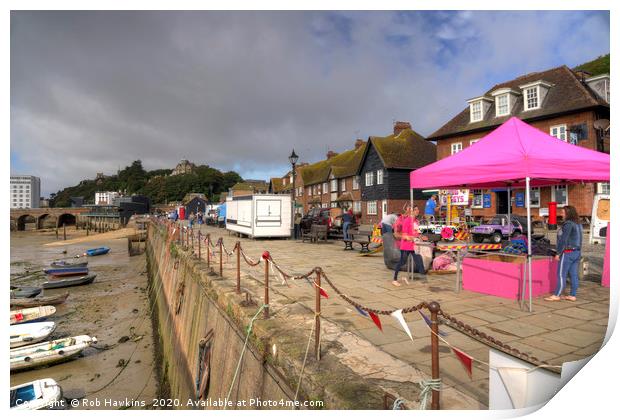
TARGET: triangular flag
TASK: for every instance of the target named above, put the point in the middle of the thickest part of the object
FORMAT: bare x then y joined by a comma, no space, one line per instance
429,323
398,314
376,320
465,359
322,291
361,311
515,382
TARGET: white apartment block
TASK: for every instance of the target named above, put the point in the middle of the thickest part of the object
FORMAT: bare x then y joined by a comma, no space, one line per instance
25,192
105,198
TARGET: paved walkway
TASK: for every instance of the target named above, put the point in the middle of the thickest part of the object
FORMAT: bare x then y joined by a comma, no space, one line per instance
555,332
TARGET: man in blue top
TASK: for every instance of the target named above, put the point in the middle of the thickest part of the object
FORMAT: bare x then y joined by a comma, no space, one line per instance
429,209
347,220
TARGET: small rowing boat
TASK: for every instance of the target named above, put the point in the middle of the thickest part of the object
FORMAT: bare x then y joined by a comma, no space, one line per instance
67,271
68,264
21,316
36,395
38,301
25,334
24,291
97,251
69,282
49,352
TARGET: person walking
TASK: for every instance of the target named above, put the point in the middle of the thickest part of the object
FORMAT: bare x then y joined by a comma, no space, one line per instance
192,218
387,223
297,225
570,237
406,230
347,221
430,208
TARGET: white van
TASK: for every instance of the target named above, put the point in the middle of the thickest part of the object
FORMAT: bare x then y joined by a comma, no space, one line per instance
600,218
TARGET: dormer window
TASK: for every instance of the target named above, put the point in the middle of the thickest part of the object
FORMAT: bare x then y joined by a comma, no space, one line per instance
501,103
600,86
505,98
534,94
478,108
476,111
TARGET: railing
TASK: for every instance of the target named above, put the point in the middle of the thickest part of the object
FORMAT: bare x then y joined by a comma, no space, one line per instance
193,242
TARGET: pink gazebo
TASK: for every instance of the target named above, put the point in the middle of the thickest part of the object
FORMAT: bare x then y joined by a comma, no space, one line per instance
515,155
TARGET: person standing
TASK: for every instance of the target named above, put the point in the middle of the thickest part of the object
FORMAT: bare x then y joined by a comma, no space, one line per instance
406,230
192,217
387,223
347,220
570,237
297,225
430,208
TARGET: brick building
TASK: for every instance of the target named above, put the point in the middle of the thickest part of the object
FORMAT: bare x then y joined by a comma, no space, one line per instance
284,185
559,101
385,168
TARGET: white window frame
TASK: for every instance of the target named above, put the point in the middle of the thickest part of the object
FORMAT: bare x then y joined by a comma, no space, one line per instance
371,208
379,176
603,188
384,207
471,142
357,207
369,178
356,183
475,108
553,194
334,185
343,185
498,105
325,187
452,148
526,105
534,193
473,201
558,133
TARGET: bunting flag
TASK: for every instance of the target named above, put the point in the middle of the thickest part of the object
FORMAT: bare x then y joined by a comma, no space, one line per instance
363,313
398,314
465,359
515,382
322,291
376,320
429,323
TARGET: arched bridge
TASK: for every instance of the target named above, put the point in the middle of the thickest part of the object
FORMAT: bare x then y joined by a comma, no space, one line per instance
42,217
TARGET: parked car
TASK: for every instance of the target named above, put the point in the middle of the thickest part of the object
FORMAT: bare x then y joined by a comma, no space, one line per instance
330,216
498,228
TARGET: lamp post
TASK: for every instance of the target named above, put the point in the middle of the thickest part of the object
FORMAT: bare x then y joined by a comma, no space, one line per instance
293,159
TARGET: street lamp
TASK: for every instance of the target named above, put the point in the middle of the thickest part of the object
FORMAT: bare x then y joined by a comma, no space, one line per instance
293,159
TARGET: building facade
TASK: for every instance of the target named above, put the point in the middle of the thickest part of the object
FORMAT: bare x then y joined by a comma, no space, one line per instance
25,192
105,198
561,102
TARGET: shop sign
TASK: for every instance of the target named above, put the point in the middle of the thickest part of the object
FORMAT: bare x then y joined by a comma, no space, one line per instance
486,201
520,199
459,197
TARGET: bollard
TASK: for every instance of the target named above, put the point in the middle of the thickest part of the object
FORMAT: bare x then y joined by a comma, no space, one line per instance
198,244
433,307
317,317
238,267
221,242
208,250
266,288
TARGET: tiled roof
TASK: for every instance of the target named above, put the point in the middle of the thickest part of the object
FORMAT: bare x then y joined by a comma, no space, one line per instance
567,93
277,185
252,185
342,165
407,150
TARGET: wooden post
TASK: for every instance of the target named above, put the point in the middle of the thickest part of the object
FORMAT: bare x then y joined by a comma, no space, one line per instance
221,242
208,250
192,240
434,309
64,232
238,267
198,244
317,317
266,288
56,231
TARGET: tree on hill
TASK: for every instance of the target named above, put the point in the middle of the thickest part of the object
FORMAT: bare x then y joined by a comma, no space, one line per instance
597,66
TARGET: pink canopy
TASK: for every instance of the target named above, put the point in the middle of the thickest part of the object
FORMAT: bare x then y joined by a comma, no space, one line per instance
509,154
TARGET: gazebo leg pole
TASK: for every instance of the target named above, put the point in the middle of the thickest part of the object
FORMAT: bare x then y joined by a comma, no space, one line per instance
529,239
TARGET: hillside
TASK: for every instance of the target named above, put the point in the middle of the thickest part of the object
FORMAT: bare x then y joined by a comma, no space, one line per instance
596,66
158,185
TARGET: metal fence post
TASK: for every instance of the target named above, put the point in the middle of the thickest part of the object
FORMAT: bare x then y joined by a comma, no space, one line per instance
238,267
198,244
266,288
317,317
433,307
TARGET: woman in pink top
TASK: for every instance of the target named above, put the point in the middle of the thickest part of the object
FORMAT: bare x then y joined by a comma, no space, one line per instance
406,229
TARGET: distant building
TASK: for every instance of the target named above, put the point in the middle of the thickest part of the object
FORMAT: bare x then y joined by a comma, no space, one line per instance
249,186
25,192
183,167
44,202
105,198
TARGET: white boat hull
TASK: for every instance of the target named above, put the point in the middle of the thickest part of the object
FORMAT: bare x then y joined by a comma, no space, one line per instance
36,395
27,334
49,352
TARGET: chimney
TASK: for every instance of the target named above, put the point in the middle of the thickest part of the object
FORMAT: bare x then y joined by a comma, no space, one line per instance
358,143
400,126
331,154
582,75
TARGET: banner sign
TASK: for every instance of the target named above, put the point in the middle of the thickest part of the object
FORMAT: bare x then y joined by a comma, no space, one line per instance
458,197
486,201
520,199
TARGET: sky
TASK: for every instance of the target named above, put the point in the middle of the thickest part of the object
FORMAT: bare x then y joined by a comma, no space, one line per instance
93,91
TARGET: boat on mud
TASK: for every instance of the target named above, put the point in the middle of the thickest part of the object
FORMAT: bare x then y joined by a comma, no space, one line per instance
24,291
39,313
36,395
69,282
66,271
68,264
39,301
26,334
50,352
97,251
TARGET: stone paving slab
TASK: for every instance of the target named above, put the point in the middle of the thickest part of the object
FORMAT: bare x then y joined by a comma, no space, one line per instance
555,331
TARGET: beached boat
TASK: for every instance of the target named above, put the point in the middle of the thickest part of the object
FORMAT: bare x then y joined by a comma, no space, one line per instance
97,251
68,264
26,334
21,316
49,352
67,271
24,291
36,395
69,282
39,301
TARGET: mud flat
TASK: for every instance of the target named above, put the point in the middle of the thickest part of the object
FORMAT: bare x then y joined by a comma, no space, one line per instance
120,373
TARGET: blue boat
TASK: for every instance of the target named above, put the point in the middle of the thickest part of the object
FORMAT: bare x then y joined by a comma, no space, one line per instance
97,251
68,271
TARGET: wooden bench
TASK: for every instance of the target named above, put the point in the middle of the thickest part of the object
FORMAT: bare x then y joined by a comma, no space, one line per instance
316,233
360,236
